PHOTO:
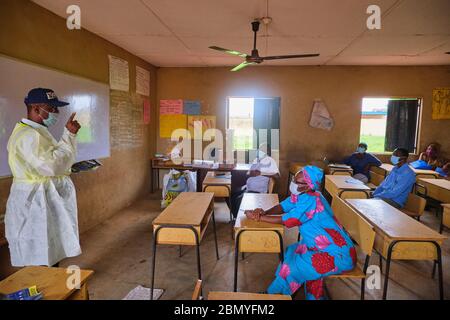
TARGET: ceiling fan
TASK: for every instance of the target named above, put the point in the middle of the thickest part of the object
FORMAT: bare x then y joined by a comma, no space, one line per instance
254,58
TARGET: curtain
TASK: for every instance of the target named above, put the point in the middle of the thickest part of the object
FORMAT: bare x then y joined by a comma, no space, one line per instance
266,116
401,126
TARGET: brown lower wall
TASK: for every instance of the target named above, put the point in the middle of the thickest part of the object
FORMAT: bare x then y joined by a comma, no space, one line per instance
31,33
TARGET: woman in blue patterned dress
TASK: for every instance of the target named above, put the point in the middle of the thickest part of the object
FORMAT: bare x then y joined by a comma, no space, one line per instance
325,247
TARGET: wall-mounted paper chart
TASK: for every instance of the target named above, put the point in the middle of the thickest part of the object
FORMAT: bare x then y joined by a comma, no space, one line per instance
142,81
171,107
119,74
170,122
191,107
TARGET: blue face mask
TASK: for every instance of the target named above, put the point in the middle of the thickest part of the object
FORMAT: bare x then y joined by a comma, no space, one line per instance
51,120
360,150
395,160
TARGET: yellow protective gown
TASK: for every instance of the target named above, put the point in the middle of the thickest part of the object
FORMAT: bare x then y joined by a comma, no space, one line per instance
41,215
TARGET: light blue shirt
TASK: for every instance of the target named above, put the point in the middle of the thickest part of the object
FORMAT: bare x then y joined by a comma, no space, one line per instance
397,185
258,184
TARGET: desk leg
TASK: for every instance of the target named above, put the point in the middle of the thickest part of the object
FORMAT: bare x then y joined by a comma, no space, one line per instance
215,234
236,258
438,262
155,236
236,253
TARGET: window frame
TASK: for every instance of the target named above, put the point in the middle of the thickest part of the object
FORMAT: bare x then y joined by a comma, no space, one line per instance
418,124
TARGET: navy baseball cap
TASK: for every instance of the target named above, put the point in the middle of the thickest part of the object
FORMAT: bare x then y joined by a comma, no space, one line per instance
47,96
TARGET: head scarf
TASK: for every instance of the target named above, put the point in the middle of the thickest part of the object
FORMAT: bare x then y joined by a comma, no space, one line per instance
313,177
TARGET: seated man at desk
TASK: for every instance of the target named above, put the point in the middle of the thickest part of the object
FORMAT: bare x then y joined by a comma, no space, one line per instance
256,183
361,161
398,184
325,247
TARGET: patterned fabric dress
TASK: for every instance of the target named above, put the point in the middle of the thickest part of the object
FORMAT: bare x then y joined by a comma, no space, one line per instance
324,249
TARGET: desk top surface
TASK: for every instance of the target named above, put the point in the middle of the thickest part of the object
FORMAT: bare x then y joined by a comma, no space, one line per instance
221,180
50,281
340,182
189,208
441,183
388,167
392,222
218,295
252,201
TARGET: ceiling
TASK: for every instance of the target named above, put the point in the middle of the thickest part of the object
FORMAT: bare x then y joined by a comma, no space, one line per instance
170,33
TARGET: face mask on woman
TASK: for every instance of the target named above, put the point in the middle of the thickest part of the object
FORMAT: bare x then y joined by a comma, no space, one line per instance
293,188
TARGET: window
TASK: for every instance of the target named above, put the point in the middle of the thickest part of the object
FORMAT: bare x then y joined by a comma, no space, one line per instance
240,119
389,123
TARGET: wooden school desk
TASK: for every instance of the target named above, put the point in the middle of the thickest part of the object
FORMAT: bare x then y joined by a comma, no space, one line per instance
437,189
386,168
339,169
220,185
445,216
184,223
254,236
399,236
50,281
337,186
219,295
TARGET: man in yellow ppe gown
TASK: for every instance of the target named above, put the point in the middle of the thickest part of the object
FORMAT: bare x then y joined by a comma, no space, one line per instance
41,215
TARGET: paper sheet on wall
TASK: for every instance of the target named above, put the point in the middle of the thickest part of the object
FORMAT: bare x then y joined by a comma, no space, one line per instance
171,107
170,122
207,122
320,117
119,74
142,81
191,107
146,111
441,103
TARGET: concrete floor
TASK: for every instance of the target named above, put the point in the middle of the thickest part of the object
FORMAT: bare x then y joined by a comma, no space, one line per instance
119,251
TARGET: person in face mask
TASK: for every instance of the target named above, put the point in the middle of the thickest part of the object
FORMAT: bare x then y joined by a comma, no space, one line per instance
361,161
325,247
399,183
41,213
431,155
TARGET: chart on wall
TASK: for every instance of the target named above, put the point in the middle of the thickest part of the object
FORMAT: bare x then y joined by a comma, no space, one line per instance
441,103
127,125
89,99
168,123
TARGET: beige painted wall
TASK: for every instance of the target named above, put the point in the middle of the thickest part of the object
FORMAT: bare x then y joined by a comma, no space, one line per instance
342,88
34,34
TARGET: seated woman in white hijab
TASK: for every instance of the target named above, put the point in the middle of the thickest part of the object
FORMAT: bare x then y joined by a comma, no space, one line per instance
256,183
268,165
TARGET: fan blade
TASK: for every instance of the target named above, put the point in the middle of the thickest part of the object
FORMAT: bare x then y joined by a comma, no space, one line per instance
291,56
233,52
242,66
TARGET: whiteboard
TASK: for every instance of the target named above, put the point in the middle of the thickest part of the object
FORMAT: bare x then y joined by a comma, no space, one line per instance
89,99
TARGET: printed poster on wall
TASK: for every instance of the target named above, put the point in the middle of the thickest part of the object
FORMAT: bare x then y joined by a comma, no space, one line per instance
142,81
441,103
146,111
119,74
191,107
171,107
170,122
207,122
